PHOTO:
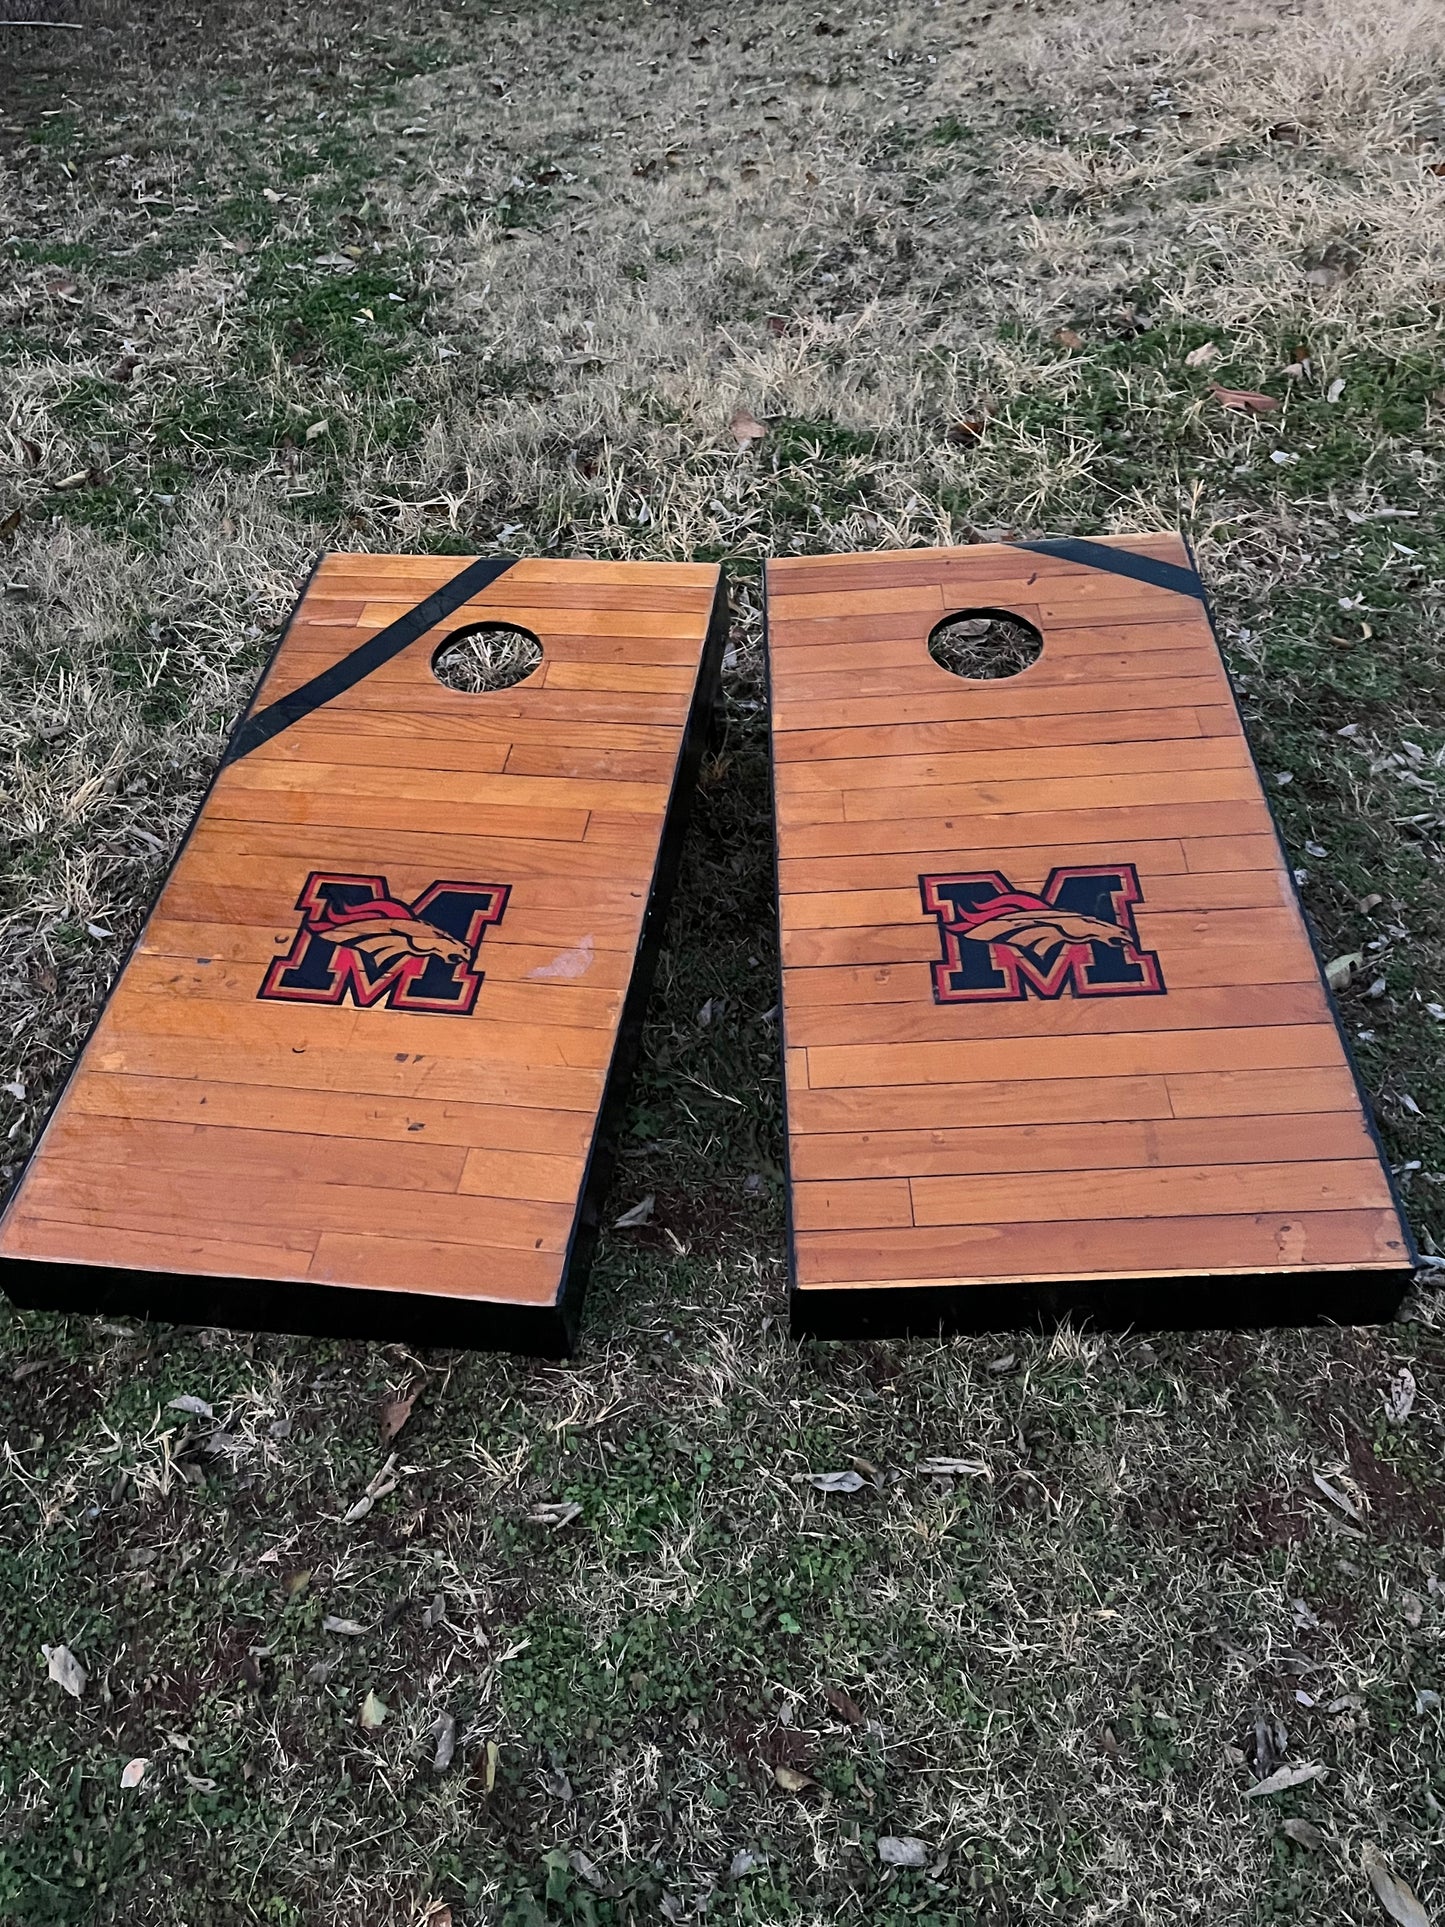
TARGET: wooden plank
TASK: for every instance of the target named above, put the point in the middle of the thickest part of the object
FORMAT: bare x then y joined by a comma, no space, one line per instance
1131,1144
1053,1025
1065,1250
363,1069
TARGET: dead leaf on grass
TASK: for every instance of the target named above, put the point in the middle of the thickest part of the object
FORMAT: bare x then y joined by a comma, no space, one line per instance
1304,1833
640,1213
374,1710
1201,356
132,1773
1067,338
844,1705
188,1402
791,1780
446,1732
396,1411
1245,401
837,1481
1285,1777
1400,1396
489,1776
1339,971
351,1628
902,1850
1412,1609
65,1669
747,428
965,433
1396,1896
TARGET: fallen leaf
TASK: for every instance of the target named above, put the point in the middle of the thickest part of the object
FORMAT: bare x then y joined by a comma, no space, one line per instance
1201,356
358,1510
1336,1497
373,1712
198,1781
317,428
1340,970
791,1780
1066,338
9,523
1369,903
396,1411
1335,389
296,1581
954,1468
1412,1609
966,432
132,1773
844,1705
747,428
639,1214
187,1402
746,1862
446,1732
1400,1396
1285,1777
1396,1896
65,1669
490,1771
1246,401
352,1628
902,1850
836,1481
1304,1833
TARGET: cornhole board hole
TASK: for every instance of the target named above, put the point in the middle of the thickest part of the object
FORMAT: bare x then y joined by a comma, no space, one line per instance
361,1071
1057,1041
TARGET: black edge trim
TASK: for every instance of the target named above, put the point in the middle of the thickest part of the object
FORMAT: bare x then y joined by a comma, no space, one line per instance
602,1157
356,1312
789,1232
1249,1301
1253,1300
260,726
1139,568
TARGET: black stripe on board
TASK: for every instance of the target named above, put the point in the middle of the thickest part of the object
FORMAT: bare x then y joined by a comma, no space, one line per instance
371,654
1140,568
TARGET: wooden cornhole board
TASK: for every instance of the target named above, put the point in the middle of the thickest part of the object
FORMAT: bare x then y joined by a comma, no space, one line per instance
405,1135
1057,1040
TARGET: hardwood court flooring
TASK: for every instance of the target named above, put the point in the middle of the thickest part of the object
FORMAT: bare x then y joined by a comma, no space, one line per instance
1147,1115
404,1135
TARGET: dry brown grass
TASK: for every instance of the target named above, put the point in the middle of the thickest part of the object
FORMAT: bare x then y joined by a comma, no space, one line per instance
612,228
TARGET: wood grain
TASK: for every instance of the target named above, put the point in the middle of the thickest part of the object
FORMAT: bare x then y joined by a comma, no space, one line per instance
218,1130
1090,1138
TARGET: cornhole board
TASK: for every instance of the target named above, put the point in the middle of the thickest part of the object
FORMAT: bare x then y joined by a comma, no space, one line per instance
1057,1040
361,1071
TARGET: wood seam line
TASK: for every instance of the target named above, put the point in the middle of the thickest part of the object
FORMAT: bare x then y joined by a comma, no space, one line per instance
264,724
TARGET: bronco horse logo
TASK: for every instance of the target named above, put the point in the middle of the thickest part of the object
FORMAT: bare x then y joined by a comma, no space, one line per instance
357,940
1077,934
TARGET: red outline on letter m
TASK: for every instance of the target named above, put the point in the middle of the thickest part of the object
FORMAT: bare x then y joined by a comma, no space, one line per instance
1077,934
357,941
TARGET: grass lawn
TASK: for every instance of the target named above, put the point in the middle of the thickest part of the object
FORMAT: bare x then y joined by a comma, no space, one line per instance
459,278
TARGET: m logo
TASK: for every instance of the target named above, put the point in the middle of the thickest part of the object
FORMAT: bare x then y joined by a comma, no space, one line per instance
1078,935
359,941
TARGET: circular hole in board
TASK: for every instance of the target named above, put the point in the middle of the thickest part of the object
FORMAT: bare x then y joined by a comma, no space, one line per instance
486,656
984,645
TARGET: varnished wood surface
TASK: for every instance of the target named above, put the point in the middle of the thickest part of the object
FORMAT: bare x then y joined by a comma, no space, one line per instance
211,1132
1007,1148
